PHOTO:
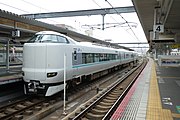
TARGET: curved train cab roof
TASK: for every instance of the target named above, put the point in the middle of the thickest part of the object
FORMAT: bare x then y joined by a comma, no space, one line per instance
49,32
70,40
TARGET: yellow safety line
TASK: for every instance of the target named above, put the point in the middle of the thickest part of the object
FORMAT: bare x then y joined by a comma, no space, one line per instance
154,110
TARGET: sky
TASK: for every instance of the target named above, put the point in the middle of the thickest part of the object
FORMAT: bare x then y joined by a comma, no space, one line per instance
120,34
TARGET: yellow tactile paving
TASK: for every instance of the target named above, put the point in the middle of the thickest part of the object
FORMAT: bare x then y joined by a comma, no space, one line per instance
154,110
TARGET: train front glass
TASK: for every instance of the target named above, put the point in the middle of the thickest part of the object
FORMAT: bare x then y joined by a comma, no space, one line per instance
41,38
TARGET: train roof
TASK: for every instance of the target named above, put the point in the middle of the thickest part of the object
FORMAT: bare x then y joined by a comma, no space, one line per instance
92,45
87,44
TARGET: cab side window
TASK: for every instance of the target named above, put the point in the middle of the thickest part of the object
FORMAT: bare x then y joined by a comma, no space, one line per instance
49,38
62,39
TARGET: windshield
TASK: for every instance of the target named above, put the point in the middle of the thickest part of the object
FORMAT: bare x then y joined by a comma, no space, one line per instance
48,38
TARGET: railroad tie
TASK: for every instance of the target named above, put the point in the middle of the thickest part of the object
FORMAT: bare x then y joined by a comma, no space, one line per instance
105,103
94,116
111,95
108,100
28,103
45,104
115,93
100,107
10,110
18,117
19,106
28,112
99,112
111,98
38,108
2,115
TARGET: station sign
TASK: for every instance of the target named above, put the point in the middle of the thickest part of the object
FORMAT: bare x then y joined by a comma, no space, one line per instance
158,28
16,33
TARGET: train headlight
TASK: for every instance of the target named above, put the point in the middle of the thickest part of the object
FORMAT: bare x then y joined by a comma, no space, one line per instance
52,74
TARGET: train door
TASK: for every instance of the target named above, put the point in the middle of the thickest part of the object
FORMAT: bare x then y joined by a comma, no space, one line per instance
78,56
76,60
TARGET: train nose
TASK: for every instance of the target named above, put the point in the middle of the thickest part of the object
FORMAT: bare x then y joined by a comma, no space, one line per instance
34,66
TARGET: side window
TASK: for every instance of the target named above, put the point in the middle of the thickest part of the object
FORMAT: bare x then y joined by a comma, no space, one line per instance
46,38
96,57
101,57
49,38
120,56
62,39
83,58
53,38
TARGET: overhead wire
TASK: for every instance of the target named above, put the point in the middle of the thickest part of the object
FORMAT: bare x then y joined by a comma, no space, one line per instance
124,20
42,8
96,3
101,8
24,10
117,21
14,7
39,7
34,5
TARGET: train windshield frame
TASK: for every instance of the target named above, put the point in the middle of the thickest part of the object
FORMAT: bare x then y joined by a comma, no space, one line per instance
47,38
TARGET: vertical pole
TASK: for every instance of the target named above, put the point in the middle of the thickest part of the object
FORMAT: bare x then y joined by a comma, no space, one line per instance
155,16
154,32
64,108
7,56
103,21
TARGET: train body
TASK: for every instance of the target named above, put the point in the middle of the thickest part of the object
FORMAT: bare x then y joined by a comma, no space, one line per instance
43,62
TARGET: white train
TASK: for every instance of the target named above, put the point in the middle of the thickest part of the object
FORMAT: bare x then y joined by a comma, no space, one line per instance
43,62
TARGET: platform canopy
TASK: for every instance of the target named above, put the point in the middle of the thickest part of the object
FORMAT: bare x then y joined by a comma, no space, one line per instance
157,15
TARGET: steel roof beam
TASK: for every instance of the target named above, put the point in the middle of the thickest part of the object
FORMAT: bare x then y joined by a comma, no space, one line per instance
166,6
103,11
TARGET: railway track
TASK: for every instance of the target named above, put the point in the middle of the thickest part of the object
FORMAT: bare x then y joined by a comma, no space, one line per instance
22,109
104,105
19,109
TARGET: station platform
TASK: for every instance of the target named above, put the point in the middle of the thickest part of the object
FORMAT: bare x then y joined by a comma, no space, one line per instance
154,96
10,76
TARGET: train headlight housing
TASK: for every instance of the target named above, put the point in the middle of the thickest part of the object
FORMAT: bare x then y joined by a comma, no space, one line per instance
51,74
